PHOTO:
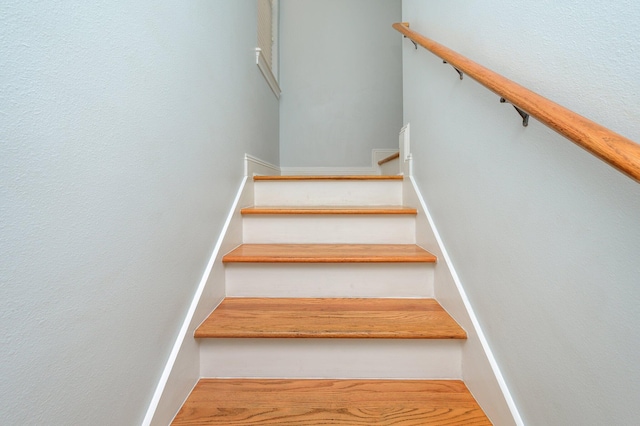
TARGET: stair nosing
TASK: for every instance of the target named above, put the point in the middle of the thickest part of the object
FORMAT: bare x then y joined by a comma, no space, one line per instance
328,178
254,401
330,318
328,210
334,253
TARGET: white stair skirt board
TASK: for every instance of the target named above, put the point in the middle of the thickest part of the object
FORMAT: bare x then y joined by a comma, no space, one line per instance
254,166
330,193
390,280
329,229
331,358
181,371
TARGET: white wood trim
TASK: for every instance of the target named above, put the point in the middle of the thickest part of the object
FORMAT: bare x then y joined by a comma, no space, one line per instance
254,166
267,73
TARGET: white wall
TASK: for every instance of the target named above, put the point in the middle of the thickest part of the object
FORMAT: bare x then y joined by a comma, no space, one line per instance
122,132
545,237
341,80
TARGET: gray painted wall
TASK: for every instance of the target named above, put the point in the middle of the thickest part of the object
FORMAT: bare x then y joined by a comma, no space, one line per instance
545,237
122,132
341,80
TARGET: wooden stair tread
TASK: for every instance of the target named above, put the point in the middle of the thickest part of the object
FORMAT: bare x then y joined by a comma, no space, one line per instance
330,318
337,177
328,253
330,402
342,210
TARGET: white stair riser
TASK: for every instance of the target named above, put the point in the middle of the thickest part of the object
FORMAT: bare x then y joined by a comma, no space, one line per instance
337,193
331,358
328,229
329,280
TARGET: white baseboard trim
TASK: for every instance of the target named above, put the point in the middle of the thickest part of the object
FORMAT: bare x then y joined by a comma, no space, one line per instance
182,369
483,377
254,166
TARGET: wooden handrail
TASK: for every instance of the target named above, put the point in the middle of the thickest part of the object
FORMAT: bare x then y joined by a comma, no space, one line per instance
618,151
389,158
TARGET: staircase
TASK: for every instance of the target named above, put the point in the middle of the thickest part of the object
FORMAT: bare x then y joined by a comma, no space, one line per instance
329,316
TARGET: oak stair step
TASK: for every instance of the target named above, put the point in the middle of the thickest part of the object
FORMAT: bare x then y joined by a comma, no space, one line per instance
330,402
330,318
338,210
329,253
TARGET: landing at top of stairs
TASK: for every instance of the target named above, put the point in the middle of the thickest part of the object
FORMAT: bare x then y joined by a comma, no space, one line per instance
330,402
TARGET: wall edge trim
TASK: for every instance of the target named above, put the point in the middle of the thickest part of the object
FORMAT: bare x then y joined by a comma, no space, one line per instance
267,73
255,166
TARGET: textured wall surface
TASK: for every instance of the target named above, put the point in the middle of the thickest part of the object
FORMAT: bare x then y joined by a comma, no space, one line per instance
341,80
122,132
545,237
